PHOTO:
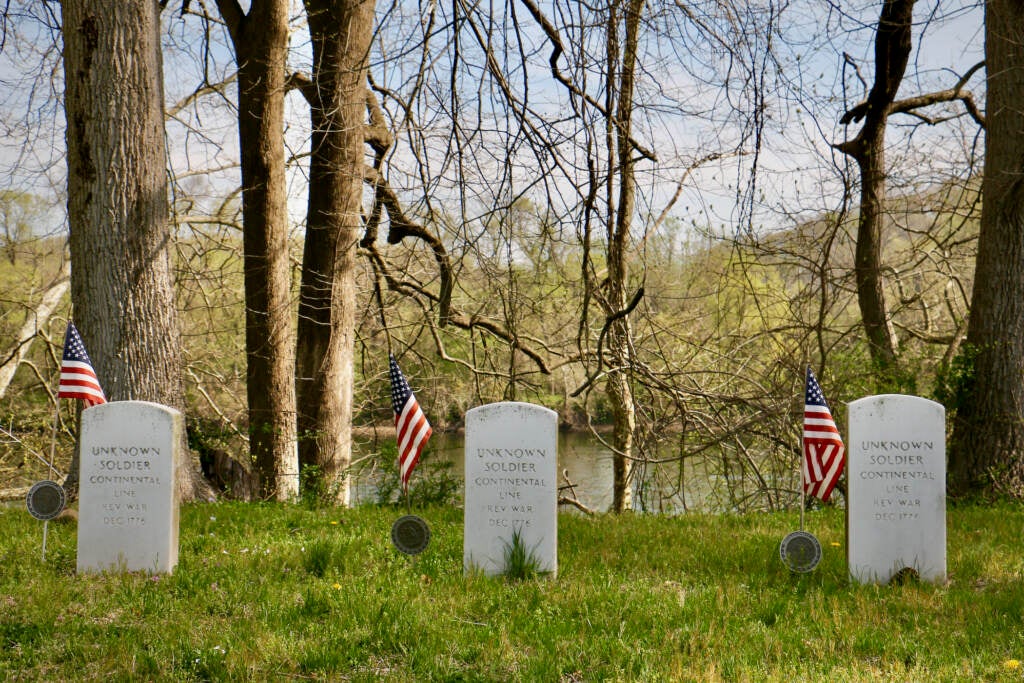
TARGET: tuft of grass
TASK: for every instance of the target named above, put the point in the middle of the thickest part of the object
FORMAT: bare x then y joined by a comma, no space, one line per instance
271,592
521,563
318,557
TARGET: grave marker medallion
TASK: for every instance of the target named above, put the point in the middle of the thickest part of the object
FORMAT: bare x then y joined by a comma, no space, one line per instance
45,500
410,534
800,551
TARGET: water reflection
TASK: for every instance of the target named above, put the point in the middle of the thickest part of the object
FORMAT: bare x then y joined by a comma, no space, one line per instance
584,461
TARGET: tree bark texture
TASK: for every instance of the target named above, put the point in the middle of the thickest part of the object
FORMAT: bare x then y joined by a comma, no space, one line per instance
121,279
341,31
260,40
618,388
987,449
868,254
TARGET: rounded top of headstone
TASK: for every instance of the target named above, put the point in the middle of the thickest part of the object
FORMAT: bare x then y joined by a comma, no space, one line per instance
410,534
898,400
800,551
45,500
510,407
139,406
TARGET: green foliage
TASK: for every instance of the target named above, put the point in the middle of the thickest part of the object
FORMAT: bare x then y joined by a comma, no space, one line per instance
901,378
206,436
273,591
432,483
719,337
954,382
313,491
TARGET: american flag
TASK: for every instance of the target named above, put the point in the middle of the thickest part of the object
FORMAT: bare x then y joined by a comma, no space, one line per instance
77,378
410,423
823,447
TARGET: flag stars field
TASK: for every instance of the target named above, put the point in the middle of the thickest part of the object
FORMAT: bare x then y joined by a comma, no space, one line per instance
77,377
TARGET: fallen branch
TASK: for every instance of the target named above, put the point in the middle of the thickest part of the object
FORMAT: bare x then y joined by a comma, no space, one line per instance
7,495
34,321
571,499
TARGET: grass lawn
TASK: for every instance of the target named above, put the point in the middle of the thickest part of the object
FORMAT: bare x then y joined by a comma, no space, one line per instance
277,592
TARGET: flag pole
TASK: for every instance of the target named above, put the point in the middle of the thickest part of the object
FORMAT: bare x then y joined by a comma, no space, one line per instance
803,495
53,437
380,307
387,336
56,423
49,464
803,455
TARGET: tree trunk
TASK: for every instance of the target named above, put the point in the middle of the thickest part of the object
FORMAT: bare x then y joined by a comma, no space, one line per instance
261,45
341,31
618,388
121,280
892,51
868,254
987,448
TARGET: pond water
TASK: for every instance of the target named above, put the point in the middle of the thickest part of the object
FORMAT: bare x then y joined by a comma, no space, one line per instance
667,487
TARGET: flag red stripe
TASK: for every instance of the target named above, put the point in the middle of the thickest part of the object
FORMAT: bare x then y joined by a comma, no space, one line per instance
74,392
79,381
411,426
90,400
410,436
413,432
823,450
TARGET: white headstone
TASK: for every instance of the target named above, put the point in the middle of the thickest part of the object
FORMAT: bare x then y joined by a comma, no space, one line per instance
896,480
511,485
128,508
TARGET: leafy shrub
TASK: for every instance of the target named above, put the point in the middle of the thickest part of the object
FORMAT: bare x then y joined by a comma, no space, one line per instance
954,382
432,483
